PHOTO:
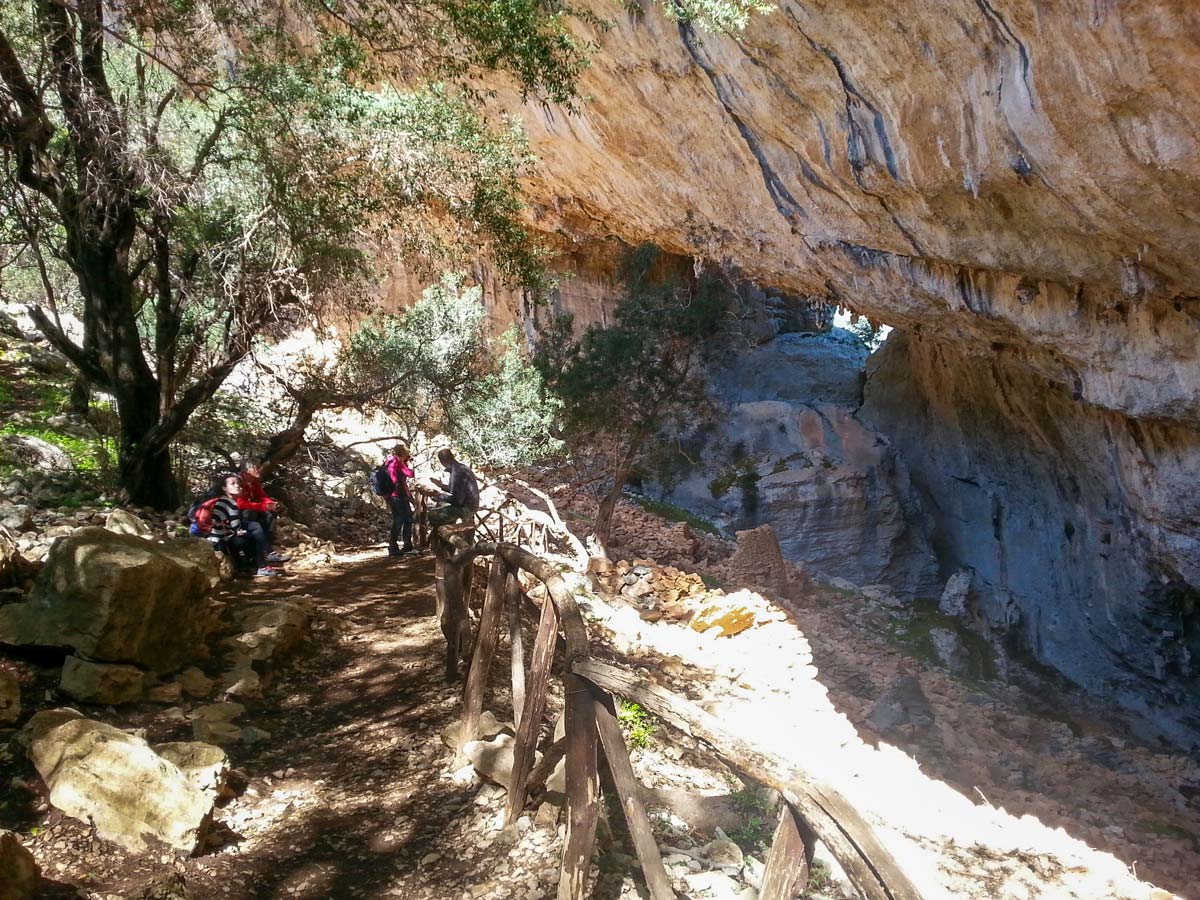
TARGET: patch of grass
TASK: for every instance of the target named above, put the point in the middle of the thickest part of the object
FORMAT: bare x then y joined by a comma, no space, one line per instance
912,634
712,582
50,398
673,513
639,726
753,835
751,799
820,877
753,804
1167,830
87,455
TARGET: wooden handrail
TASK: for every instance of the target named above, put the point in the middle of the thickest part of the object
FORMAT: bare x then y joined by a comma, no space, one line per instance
811,810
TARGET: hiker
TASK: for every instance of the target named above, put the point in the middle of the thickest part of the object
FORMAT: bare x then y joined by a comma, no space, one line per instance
462,493
219,521
253,501
400,500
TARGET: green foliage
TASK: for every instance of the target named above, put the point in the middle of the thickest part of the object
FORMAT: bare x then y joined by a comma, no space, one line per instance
441,371
637,724
753,805
88,455
717,15
742,474
820,877
626,376
673,513
912,632
870,337
507,416
751,799
624,382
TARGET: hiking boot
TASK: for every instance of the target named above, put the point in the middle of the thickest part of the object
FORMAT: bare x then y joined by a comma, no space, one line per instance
277,557
266,572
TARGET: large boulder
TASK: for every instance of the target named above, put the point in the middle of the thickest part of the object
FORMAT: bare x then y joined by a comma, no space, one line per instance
131,792
19,873
119,598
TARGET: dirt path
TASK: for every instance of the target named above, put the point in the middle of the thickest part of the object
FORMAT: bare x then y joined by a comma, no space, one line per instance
351,796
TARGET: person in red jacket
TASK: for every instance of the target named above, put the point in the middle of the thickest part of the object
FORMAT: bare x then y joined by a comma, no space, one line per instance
256,506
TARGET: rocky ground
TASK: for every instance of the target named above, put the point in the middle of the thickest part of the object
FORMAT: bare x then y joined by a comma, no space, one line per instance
342,787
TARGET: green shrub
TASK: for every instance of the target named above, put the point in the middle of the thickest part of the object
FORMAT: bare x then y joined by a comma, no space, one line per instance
639,726
673,513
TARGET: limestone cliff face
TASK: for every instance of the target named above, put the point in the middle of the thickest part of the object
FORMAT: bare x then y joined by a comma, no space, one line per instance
782,446
1080,524
999,173
1014,186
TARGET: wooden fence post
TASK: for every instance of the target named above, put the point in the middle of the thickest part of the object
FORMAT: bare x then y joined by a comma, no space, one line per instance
453,614
485,649
512,601
535,704
788,860
583,806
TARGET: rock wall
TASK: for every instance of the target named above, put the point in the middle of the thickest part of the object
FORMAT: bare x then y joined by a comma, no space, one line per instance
1080,524
1013,183
989,172
781,446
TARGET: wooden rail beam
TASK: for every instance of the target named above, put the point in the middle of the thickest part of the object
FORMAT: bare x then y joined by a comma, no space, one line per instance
849,838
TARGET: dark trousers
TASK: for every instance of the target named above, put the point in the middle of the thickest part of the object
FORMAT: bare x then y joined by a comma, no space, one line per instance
266,518
402,523
250,548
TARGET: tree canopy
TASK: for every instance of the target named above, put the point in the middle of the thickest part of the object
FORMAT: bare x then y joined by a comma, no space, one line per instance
431,368
206,172
625,381
210,171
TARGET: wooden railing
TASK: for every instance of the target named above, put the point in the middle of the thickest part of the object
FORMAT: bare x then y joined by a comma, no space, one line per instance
810,811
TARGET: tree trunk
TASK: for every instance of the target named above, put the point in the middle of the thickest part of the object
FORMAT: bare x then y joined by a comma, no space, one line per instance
143,467
80,397
284,445
604,515
148,479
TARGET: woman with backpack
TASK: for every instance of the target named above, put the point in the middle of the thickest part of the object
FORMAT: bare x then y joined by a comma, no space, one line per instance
219,520
400,500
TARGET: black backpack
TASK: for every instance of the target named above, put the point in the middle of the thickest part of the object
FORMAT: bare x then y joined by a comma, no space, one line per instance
381,482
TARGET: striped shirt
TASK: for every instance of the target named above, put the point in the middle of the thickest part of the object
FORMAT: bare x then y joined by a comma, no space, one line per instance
226,519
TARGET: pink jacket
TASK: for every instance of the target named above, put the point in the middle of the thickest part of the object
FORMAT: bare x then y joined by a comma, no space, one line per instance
400,473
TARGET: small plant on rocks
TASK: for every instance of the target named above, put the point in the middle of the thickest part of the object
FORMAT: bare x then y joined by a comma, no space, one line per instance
753,804
639,726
